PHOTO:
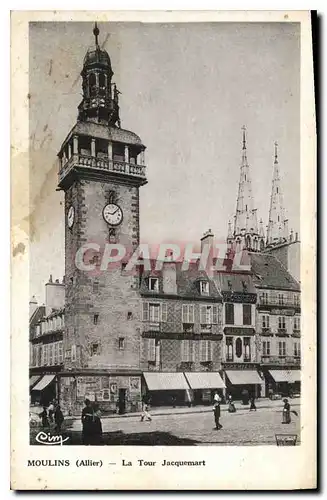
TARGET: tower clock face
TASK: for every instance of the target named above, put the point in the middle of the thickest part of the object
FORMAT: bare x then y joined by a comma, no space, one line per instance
113,214
71,216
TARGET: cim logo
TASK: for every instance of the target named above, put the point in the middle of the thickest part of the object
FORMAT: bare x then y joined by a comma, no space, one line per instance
46,438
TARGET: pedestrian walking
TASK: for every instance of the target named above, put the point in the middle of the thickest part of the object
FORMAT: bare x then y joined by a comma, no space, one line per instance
58,418
287,412
44,417
216,410
87,423
145,409
252,404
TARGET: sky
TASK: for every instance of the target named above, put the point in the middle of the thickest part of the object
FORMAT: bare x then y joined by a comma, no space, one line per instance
186,90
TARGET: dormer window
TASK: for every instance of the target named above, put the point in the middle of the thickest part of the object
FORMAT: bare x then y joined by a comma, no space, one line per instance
154,284
204,287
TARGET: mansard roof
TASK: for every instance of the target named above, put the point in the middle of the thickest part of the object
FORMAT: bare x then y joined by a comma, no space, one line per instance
187,282
268,272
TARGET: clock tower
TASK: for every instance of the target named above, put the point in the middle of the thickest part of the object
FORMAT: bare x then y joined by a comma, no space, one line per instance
101,170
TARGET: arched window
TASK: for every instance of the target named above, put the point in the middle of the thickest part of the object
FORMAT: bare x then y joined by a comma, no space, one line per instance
102,81
255,244
248,242
92,84
238,347
262,245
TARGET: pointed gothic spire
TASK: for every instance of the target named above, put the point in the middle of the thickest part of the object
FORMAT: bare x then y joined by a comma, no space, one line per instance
245,219
245,214
277,230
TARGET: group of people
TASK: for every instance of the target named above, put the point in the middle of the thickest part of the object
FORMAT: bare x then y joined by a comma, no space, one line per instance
91,423
286,418
52,415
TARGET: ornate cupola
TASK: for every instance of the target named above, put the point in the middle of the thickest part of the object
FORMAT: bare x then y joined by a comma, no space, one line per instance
97,147
100,95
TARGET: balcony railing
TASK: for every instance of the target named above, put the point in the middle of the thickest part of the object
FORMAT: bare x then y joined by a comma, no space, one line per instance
121,167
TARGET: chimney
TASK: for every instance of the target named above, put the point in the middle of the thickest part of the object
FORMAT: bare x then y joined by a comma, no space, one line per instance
207,250
54,295
32,305
169,275
207,239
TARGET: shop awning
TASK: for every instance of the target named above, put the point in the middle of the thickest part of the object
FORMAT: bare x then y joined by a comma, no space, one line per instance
165,381
243,377
44,382
289,376
205,380
34,379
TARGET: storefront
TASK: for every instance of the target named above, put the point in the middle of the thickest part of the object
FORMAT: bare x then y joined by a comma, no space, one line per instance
203,386
114,393
284,382
45,390
240,382
166,389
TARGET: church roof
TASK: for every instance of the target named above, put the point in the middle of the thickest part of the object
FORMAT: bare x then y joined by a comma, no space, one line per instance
95,55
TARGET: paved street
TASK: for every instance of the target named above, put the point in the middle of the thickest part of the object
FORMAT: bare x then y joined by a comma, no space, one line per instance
241,428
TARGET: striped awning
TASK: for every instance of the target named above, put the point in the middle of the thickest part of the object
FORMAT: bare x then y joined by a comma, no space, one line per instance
165,381
34,379
204,380
289,376
243,377
44,382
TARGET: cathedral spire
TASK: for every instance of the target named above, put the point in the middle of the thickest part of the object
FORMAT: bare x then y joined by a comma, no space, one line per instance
277,230
246,231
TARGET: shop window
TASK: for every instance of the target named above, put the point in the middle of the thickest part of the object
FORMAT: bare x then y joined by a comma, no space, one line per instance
229,314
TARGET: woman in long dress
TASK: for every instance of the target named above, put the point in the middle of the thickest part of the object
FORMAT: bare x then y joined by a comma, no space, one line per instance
87,423
286,412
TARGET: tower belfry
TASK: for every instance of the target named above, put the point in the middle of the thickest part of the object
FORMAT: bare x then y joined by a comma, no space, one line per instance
277,231
246,232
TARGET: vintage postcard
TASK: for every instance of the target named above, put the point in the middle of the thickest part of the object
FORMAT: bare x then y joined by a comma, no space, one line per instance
164,250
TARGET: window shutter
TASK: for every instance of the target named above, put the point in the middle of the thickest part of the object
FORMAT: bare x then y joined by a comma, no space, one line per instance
185,350
203,315
145,311
202,350
151,349
184,313
209,350
215,315
192,351
164,312
191,313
